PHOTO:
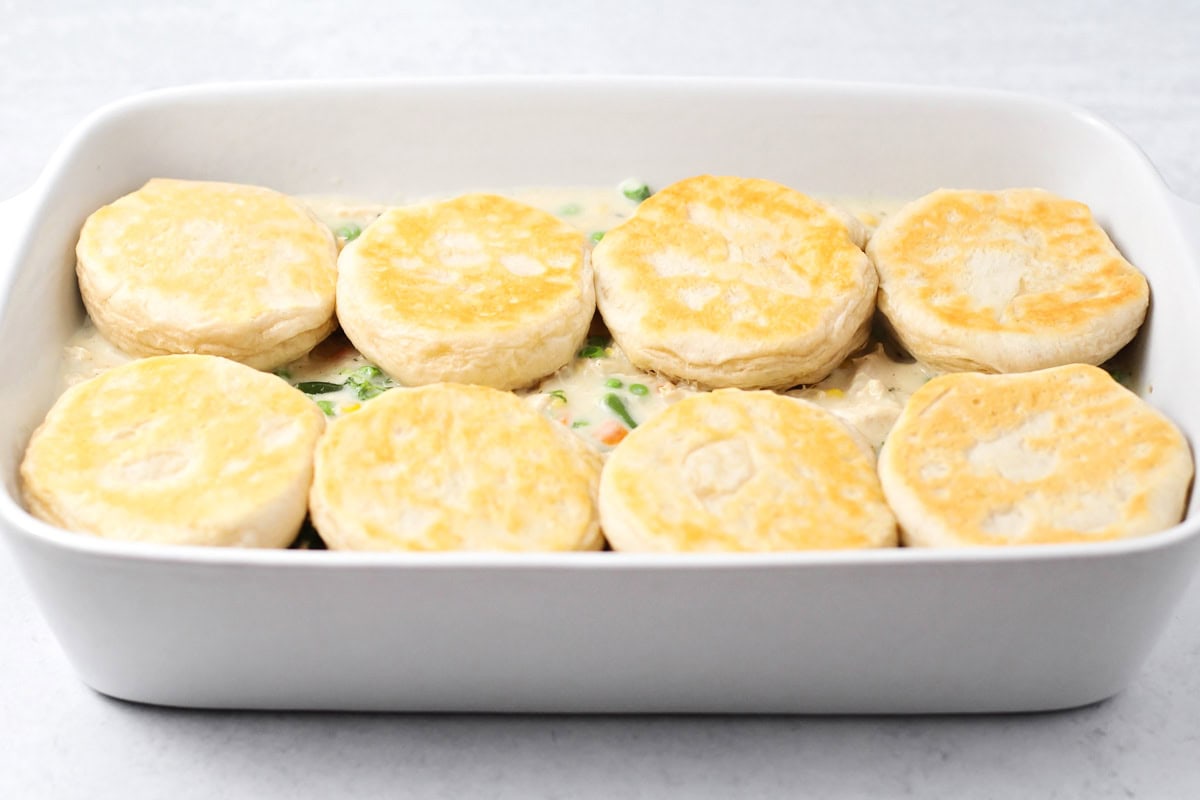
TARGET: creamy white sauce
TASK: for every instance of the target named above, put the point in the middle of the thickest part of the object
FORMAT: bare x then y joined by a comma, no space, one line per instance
579,395
867,391
87,354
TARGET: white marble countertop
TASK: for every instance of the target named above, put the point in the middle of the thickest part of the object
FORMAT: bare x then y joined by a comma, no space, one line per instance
1137,64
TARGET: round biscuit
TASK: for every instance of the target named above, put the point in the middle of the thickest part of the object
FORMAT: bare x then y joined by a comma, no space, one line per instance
454,467
736,282
213,268
1064,454
182,449
743,471
477,289
1007,281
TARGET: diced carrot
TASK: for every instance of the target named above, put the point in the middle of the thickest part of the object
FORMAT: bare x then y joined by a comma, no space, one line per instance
611,432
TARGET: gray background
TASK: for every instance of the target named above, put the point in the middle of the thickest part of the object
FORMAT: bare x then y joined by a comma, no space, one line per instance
1137,64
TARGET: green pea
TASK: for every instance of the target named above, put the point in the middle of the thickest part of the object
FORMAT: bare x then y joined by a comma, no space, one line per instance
591,351
368,371
597,236
616,406
327,407
635,190
318,387
349,231
639,389
613,383
570,210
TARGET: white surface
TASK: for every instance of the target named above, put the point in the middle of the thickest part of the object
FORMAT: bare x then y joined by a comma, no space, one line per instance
1136,64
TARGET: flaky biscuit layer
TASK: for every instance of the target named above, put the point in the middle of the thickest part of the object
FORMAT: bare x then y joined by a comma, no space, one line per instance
477,289
182,449
1064,454
212,268
454,467
740,282
1005,281
743,471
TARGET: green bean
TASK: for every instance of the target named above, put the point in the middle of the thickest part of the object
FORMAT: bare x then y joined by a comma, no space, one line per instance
326,406
616,406
318,387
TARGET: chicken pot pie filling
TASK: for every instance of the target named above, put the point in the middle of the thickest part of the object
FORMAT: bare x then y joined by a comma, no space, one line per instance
600,396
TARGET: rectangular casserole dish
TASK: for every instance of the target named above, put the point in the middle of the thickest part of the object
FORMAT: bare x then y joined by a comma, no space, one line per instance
873,632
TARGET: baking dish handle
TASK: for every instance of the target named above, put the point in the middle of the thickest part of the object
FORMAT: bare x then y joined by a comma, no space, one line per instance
14,212
1188,214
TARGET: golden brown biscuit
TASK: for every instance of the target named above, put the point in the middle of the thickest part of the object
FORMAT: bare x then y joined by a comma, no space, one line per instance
182,449
478,289
736,282
1005,282
213,268
1059,455
454,467
743,471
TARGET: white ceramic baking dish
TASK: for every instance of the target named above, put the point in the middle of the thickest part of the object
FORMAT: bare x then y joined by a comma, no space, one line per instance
892,631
